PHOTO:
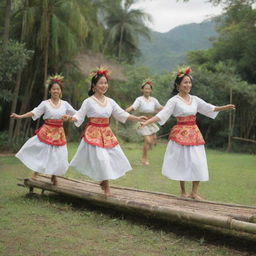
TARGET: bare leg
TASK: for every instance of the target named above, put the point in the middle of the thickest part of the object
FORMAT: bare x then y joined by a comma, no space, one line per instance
194,193
183,189
106,188
154,139
147,143
54,180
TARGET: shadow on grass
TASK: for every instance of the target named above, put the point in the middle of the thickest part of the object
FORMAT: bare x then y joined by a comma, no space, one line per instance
203,234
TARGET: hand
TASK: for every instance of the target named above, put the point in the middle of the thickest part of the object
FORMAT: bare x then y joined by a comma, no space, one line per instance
15,116
142,125
66,117
142,118
231,106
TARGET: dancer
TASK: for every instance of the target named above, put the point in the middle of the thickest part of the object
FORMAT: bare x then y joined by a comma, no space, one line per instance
46,152
147,106
185,158
99,154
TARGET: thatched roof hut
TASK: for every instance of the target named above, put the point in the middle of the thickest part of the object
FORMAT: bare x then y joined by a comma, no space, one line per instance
86,62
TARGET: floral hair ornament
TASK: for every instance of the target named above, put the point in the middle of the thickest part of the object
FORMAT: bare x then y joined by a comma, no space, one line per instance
147,81
184,71
100,71
57,78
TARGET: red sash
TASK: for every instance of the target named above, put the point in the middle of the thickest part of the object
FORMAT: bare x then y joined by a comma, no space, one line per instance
52,132
98,133
186,132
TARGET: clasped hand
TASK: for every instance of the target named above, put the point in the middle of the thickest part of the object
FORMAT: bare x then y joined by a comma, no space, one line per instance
66,117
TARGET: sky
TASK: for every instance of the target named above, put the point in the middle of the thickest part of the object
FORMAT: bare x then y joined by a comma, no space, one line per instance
168,14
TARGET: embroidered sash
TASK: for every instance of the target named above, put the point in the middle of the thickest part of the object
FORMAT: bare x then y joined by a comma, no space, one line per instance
186,132
98,133
52,132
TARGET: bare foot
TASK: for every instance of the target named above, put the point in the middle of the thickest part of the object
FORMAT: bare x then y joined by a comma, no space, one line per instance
108,193
34,177
105,187
54,180
196,197
184,195
102,185
144,162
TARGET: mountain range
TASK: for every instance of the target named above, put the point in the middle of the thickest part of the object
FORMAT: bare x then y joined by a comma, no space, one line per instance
167,50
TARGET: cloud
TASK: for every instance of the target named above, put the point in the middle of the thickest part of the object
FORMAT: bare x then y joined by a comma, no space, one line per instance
168,14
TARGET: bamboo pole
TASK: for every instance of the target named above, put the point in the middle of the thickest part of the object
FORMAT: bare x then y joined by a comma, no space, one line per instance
147,209
154,192
244,139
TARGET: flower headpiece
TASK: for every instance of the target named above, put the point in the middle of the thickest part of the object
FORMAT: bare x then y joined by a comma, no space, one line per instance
57,78
100,71
147,81
184,71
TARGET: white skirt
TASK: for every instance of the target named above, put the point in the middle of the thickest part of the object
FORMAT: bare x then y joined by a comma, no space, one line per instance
44,158
185,163
147,130
100,163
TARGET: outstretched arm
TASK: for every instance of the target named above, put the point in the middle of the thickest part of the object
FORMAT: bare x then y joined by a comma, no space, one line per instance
225,107
137,118
129,109
26,115
69,118
153,119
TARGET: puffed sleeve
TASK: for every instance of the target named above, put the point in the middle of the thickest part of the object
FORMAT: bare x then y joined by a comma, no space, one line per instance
136,104
38,111
166,112
70,110
81,113
205,108
118,113
157,104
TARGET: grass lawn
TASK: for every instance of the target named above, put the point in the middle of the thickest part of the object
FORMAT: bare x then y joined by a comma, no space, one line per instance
53,225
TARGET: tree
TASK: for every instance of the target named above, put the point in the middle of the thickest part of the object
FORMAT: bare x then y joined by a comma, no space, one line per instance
8,9
237,40
56,30
124,27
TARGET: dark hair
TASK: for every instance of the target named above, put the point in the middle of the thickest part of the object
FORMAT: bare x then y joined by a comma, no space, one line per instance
51,84
94,81
177,81
145,85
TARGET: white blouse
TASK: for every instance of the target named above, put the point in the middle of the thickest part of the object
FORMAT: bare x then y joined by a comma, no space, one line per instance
146,106
49,112
91,108
177,107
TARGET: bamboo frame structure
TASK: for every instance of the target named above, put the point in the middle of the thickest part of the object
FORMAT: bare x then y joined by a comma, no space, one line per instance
244,139
236,217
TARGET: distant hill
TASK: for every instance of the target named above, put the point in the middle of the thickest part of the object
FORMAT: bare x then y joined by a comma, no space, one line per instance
166,50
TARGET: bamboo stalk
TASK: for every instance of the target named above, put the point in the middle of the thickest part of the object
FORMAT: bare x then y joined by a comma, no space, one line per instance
244,139
155,193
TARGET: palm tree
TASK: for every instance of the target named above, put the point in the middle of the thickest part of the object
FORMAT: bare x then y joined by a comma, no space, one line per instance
125,25
56,30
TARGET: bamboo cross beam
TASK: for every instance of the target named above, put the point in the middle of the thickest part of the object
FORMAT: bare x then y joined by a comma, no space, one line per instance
244,139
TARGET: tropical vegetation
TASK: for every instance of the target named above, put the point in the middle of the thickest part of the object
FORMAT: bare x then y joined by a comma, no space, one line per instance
42,37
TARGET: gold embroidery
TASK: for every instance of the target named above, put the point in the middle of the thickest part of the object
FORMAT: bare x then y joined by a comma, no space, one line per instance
186,132
98,133
52,132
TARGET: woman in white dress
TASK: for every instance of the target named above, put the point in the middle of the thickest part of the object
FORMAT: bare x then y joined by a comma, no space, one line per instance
147,106
99,154
46,152
185,158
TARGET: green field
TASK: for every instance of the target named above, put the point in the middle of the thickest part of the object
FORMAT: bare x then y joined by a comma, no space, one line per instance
53,225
